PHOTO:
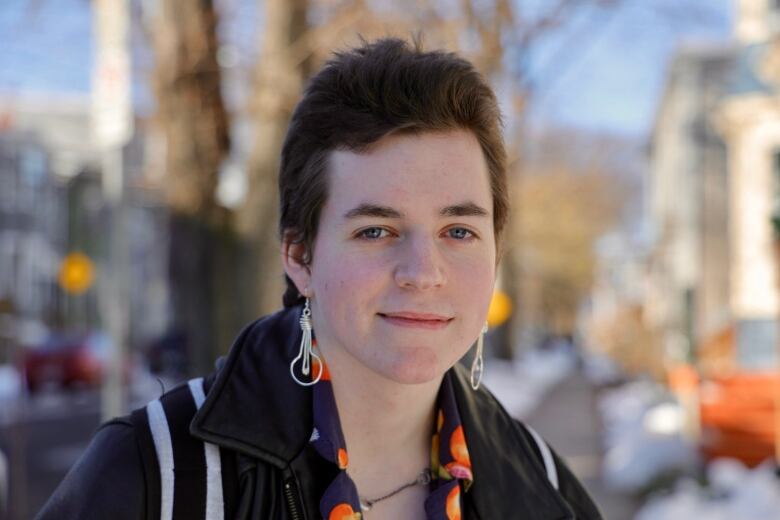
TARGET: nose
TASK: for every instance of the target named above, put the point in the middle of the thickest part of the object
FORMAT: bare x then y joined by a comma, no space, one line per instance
420,265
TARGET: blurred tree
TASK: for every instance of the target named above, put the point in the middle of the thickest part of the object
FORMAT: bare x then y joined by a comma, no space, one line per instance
193,122
626,338
279,78
575,190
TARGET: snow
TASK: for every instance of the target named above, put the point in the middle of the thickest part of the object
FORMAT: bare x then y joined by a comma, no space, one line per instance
643,440
10,390
735,492
601,370
10,382
642,436
520,385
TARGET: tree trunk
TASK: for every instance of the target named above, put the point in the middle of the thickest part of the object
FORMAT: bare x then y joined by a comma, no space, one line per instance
194,122
279,79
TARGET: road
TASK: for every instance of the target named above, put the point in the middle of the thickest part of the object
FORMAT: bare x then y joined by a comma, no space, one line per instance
43,435
42,440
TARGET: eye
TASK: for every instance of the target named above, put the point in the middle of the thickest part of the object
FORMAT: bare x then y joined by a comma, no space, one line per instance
459,233
373,233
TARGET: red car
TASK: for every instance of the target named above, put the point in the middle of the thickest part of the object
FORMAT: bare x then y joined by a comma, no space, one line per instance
68,360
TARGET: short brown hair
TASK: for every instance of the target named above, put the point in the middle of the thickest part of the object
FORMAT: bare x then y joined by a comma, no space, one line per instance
366,93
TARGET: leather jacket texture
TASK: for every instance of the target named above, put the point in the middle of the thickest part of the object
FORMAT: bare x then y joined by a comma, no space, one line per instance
261,420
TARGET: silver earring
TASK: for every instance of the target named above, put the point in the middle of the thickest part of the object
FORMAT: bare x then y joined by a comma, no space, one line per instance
478,365
306,351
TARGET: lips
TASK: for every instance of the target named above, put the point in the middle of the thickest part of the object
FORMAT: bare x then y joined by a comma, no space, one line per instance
419,320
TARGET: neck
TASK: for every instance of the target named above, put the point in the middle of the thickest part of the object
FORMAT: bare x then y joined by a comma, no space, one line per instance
387,425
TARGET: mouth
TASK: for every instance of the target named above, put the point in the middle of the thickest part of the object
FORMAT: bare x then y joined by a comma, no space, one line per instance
416,320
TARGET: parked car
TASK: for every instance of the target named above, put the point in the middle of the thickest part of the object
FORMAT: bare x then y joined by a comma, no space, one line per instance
68,360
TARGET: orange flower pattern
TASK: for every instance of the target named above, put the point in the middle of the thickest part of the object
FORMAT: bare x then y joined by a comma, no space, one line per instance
316,366
450,461
342,458
344,512
453,504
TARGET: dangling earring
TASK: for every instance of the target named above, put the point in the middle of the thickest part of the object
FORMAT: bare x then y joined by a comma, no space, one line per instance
306,351
478,365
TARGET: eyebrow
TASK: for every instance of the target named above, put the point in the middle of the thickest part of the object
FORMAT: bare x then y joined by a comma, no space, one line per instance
465,209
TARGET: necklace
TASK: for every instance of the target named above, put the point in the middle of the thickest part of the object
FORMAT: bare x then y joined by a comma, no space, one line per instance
422,479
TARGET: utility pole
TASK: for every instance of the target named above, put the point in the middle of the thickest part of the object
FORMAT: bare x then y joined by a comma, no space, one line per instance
112,126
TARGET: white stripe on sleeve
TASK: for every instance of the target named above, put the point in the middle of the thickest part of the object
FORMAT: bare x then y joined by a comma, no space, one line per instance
215,508
158,424
549,462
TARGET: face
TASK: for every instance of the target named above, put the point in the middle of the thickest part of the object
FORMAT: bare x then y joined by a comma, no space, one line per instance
403,265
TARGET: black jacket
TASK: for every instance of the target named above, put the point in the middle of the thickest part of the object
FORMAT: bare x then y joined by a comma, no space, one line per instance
261,420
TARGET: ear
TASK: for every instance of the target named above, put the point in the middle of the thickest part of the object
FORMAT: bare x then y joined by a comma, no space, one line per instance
293,256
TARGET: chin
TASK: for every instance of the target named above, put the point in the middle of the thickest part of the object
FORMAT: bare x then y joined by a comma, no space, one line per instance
418,367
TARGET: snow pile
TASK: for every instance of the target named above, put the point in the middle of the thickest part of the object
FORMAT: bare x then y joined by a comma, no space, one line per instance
735,492
10,382
602,370
642,425
520,385
10,390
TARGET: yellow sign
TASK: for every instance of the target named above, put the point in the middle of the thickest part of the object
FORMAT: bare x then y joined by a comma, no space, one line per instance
76,273
500,309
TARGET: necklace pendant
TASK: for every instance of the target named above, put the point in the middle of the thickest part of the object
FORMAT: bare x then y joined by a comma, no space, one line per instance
366,505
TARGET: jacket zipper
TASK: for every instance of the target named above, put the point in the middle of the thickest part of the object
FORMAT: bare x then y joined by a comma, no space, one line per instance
289,492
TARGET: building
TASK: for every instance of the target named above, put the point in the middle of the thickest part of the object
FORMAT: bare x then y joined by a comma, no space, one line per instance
687,296
52,204
748,118
31,230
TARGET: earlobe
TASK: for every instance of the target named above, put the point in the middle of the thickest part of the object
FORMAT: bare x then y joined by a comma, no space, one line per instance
294,262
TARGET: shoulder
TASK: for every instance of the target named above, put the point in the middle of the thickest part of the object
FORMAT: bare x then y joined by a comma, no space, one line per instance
512,460
561,476
106,482
113,477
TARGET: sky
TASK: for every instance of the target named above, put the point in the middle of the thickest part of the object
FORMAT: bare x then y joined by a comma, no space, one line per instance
610,80
615,71
45,49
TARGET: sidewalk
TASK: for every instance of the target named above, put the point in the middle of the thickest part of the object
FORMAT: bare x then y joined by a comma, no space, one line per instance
568,419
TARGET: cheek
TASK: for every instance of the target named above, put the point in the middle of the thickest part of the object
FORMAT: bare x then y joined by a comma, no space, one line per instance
344,281
475,280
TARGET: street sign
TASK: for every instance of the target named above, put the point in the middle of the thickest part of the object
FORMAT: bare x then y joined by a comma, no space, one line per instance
500,309
76,273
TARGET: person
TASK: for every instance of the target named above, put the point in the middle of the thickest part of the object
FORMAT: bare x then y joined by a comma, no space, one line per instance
350,402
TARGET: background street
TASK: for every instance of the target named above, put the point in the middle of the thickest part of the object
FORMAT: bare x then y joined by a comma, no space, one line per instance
44,434
568,419
39,457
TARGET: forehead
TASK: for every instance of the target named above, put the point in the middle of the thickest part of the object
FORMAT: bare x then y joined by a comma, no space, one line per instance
411,171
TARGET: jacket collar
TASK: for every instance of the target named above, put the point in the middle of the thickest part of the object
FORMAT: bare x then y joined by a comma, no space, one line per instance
508,477
254,406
